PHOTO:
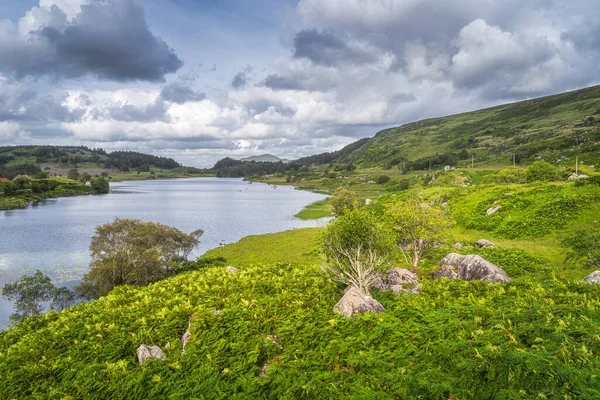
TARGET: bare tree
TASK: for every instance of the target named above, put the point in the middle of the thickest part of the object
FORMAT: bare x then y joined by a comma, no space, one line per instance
355,266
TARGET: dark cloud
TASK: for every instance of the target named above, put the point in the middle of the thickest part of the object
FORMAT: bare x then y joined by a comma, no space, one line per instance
240,80
108,39
179,93
278,82
326,49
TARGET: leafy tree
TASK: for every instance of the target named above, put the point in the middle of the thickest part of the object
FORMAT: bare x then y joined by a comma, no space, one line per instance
100,185
542,171
418,227
85,177
343,200
381,179
133,252
62,298
29,294
73,174
355,245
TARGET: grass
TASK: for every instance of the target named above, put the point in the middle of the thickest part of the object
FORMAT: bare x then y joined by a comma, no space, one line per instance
316,210
294,246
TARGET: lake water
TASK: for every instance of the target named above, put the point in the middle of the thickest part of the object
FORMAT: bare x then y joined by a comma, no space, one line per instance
54,235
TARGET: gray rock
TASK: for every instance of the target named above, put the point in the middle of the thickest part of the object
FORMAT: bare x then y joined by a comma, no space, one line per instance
144,352
492,210
594,277
368,201
470,267
577,176
356,302
399,280
484,243
231,270
458,245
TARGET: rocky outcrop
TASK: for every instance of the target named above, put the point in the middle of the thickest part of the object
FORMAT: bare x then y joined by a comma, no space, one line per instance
484,243
492,210
144,352
577,176
231,270
594,277
399,280
470,267
356,302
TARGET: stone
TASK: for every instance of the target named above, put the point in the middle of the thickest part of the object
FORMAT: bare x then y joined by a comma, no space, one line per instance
594,277
458,245
484,243
187,335
356,302
577,176
492,210
168,346
231,270
470,267
144,352
447,168
368,201
264,370
399,280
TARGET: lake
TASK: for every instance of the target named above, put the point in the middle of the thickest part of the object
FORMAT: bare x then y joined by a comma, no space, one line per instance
53,235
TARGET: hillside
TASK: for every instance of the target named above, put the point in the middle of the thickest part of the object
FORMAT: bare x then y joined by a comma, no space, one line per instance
265,158
553,127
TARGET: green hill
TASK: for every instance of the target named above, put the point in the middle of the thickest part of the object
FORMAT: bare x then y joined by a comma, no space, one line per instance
551,127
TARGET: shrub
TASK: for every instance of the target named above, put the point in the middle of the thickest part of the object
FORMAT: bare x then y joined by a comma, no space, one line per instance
542,171
343,200
508,175
382,179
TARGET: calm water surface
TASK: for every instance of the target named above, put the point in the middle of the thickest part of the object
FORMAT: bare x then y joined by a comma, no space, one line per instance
54,235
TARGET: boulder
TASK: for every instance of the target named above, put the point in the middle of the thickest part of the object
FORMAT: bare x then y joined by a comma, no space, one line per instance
399,280
458,245
356,302
594,277
231,270
484,243
578,176
145,352
492,210
368,201
470,267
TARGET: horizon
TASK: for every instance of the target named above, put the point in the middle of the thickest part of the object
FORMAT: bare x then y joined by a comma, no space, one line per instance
289,78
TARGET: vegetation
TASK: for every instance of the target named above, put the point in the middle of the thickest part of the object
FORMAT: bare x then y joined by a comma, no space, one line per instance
132,252
31,294
356,246
316,210
342,201
418,228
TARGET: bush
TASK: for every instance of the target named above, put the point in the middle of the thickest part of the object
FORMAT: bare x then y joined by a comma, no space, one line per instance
542,171
382,179
508,175
343,200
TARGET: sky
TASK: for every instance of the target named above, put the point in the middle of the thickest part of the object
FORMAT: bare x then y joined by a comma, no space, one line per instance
199,80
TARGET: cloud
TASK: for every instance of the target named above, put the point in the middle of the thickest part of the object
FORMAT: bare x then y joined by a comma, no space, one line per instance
108,39
326,49
180,93
240,80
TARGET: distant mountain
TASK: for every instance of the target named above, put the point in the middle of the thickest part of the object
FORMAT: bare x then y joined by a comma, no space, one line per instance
265,158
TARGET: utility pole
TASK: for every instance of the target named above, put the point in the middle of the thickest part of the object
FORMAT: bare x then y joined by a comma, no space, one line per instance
514,162
577,165
472,161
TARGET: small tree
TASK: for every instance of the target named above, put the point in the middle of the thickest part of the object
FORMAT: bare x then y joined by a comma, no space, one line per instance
343,200
355,246
85,177
62,298
73,174
418,227
30,295
133,252
382,179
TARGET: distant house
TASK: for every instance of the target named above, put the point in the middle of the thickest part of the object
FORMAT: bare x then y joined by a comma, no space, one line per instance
3,179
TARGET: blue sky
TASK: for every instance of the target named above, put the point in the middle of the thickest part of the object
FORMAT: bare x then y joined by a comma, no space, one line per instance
201,80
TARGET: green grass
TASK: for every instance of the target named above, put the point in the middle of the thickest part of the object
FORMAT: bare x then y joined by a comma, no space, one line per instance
295,246
316,210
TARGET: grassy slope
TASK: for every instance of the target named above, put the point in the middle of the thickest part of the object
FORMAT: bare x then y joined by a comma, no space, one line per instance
550,126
